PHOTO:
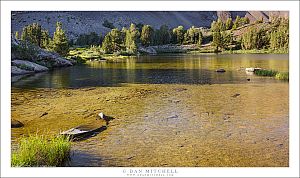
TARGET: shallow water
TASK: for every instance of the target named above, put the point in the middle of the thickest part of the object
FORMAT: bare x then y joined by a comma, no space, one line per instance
166,124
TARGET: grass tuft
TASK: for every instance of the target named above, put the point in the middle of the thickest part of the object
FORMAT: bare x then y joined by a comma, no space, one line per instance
282,76
263,72
273,73
41,151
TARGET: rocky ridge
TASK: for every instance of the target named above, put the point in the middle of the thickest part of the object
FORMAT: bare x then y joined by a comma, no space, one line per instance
81,22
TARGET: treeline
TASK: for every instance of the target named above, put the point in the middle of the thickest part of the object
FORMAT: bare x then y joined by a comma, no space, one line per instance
35,34
271,36
127,40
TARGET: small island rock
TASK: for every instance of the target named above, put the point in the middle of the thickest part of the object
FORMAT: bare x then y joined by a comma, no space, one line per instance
220,70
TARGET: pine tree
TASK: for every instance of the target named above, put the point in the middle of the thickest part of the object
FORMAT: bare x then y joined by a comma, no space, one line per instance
32,33
227,39
107,45
200,39
228,24
134,32
24,35
115,39
147,35
178,34
60,41
190,35
45,41
279,36
164,35
248,39
217,40
236,23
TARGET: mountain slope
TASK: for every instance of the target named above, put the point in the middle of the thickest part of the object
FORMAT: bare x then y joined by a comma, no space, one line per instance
79,22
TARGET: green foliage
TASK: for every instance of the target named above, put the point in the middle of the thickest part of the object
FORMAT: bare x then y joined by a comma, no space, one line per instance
41,151
147,35
17,35
244,21
178,34
200,38
89,39
80,55
46,40
116,39
217,40
282,76
24,50
216,28
108,24
227,39
228,24
162,35
107,45
131,39
112,41
279,36
273,73
240,22
192,35
139,26
35,35
263,72
254,39
60,42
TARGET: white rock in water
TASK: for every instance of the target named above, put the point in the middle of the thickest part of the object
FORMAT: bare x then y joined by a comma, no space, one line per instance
101,115
252,69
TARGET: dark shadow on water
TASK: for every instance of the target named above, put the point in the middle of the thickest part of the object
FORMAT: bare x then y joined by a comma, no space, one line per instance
78,77
160,69
84,136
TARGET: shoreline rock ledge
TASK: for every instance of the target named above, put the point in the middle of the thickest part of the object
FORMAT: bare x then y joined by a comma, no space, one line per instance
19,67
28,59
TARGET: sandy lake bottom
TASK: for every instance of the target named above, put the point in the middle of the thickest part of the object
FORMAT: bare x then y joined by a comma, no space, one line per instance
171,125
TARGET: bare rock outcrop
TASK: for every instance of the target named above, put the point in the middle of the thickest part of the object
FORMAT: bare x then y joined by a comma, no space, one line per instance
27,58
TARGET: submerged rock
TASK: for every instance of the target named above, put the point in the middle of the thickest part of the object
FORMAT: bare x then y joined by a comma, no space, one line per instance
235,95
221,70
16,124
44,114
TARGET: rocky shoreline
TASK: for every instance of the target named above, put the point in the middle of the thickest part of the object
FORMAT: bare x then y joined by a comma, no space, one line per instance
29,59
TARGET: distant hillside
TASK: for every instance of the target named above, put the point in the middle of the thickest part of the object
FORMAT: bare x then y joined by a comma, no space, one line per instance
80,22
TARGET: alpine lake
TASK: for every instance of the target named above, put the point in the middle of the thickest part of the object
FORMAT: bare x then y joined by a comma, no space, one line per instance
169,110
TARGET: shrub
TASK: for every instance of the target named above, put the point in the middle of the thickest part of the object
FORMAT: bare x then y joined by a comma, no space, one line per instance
24,50
41,151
